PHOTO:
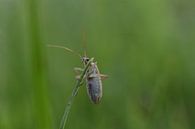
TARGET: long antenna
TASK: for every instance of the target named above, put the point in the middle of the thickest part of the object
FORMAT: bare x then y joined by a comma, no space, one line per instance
65,48
84,44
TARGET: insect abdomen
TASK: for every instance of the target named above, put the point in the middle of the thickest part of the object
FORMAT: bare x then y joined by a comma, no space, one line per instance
94,89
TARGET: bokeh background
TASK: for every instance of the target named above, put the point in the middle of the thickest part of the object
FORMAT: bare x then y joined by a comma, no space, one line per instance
147,47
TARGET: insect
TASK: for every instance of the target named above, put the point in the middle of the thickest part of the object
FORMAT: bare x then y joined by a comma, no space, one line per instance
93,77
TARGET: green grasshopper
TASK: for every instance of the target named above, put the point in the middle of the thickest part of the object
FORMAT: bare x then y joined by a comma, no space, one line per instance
93,77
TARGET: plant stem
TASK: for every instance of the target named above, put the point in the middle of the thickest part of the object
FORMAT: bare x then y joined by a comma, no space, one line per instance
74,93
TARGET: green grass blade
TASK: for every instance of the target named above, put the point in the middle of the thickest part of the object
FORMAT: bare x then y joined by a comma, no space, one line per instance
74,93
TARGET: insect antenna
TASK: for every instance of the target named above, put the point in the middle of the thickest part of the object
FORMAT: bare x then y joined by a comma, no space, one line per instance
84,44
65,48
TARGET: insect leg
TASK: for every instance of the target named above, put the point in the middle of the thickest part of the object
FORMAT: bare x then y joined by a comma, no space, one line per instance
103,76
78,70
79,77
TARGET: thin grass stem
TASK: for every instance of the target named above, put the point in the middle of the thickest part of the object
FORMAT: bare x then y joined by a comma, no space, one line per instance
74,93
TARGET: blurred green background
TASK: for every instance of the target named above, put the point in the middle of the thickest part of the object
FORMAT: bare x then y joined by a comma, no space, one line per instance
147,47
